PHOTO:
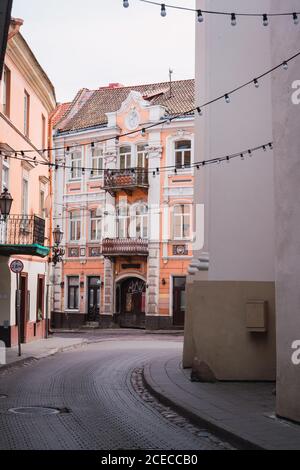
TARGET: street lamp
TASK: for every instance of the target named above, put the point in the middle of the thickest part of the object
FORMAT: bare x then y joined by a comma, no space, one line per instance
57,235
5,203
58,253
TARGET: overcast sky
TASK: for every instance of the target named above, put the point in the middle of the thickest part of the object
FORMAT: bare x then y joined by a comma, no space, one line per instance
90,43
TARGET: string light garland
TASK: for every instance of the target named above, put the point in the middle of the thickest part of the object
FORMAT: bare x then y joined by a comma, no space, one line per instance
169,119
154,171
233,15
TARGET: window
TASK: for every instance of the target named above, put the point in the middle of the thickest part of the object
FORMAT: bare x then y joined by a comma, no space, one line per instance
43,132
42,204
24,196
6,91
97,162
182,153
141,221
75,158
142,156
5,175
26,113
75,226
125,157
181,221
123,222
95,226
73,293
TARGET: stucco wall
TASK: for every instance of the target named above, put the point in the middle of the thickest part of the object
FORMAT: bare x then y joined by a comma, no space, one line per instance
238,196
285,42
216,330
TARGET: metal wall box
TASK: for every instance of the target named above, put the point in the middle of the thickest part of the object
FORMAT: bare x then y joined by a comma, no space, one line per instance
256,316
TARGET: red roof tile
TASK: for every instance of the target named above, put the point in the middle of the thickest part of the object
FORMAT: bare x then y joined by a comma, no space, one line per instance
96,104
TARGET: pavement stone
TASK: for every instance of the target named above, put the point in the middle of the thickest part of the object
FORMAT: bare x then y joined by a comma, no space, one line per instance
243,413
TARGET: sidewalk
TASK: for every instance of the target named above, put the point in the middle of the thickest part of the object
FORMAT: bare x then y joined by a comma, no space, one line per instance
41,348
243,413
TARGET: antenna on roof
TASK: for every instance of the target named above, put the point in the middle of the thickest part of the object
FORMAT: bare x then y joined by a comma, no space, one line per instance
170,75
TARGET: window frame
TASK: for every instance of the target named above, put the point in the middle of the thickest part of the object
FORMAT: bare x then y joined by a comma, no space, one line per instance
76,291
182,224
97,172
6,91
75,170
182,152
144,220
26,113
98,220
77,222
126,155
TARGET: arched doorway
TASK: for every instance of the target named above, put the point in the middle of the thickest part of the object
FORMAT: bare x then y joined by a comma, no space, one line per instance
130,302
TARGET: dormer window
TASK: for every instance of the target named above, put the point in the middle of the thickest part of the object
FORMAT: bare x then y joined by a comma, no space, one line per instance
125,157
183,153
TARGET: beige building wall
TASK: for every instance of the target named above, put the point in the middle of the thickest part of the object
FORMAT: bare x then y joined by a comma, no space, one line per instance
285,42
238,197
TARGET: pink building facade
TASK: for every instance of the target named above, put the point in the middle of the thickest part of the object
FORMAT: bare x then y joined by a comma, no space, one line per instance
127,221
27,99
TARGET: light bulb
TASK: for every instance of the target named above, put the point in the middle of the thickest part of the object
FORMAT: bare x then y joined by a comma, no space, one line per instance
163,10
265,20
200,16
143,132
242,156
285,65
227,98
250,153
125,3
256,83
233,19
199,111
295,18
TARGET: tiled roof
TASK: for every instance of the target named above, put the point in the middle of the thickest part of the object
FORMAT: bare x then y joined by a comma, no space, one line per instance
60,112
105,100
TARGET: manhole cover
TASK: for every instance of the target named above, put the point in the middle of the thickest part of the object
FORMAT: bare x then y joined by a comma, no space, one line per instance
35,410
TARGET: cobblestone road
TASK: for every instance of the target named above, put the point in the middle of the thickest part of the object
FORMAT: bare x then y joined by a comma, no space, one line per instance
101,409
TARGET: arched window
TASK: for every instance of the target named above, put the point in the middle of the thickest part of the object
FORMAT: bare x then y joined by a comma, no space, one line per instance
141,221
183,151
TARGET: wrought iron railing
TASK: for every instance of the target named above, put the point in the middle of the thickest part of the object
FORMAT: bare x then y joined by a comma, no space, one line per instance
126,178
22,230
125,246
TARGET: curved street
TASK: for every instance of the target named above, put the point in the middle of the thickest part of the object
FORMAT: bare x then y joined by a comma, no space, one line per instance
100,408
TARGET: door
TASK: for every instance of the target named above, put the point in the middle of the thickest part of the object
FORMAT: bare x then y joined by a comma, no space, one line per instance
132,305
24,306
93,298
179,303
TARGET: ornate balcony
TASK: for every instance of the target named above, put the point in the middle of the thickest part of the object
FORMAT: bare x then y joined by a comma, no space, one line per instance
125,180
125,247
23,235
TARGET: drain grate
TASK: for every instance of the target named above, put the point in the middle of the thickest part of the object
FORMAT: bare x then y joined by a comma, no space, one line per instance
35,410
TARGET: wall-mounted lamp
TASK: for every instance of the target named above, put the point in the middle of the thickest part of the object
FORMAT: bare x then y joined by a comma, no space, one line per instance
163,281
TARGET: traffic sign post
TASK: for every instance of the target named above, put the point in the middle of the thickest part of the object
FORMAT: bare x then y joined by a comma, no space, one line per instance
17,267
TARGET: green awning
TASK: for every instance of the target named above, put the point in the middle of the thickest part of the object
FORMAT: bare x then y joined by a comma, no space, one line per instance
31,250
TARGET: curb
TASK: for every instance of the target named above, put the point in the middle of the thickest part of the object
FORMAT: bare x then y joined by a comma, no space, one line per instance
30,359
234,439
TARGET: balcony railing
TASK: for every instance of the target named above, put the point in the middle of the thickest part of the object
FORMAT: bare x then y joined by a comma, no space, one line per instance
126,179
22,230
125,247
